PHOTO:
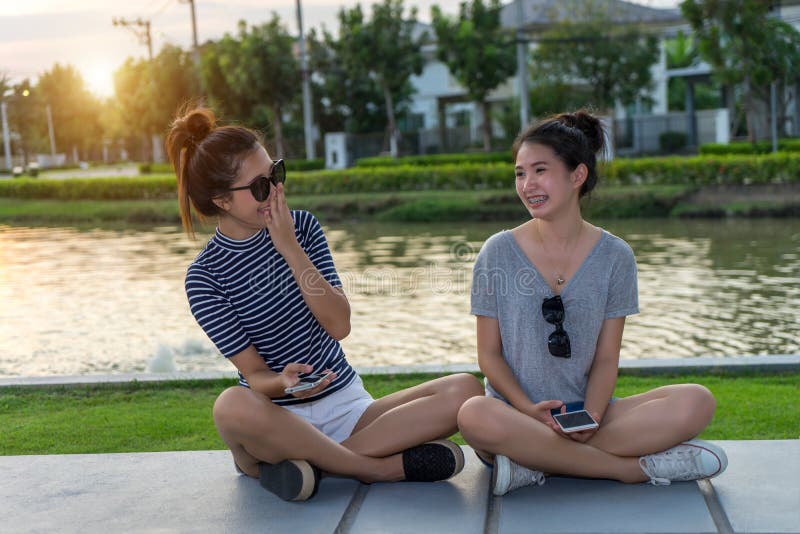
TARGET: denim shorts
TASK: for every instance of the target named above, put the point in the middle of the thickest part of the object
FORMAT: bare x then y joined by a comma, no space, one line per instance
575,406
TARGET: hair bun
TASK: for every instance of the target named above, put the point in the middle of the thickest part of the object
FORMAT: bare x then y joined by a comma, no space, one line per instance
199,123
587,123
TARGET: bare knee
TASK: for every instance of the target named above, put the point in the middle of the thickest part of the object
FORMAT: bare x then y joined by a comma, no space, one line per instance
479,424
463,386
234,407
701,406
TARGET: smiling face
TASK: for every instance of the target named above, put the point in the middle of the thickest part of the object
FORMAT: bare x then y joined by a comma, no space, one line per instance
243,215
544,183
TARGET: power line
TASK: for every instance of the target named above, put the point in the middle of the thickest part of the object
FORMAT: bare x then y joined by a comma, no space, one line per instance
140,28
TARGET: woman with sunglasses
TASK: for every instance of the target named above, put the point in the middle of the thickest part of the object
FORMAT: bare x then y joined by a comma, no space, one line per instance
266,292
551,297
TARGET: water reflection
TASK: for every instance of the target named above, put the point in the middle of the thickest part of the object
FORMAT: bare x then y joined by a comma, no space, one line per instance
104,300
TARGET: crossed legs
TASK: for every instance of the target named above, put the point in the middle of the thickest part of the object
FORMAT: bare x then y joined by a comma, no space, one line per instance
256,430
632,427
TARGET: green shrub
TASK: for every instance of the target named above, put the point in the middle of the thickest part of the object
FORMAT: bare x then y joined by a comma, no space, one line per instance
783,167
672,141
436,159
745,147
292,165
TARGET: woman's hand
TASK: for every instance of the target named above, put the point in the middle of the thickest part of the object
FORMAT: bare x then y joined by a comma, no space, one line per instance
541,411
279,222
583,436
290,376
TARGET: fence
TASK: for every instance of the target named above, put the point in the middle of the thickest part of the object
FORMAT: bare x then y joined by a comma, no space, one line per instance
641,134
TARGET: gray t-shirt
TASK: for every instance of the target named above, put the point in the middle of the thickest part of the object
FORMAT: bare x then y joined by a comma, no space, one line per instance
507,287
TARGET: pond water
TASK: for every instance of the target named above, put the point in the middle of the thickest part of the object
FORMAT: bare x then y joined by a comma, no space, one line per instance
108,300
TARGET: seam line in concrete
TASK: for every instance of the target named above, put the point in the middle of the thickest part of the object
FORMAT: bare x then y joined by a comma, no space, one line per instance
351,512
494,507
715,508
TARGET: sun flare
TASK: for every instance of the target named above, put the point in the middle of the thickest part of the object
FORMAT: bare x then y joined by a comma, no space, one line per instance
98,78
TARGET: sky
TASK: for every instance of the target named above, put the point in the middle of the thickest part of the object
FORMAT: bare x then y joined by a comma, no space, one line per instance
36,34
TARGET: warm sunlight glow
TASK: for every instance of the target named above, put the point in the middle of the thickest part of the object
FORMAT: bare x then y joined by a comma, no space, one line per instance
98,78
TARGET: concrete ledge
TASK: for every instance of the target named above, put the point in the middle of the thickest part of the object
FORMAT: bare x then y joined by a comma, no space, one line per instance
779,363
199,491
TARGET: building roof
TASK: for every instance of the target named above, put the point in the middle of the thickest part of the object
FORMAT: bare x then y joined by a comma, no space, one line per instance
538,15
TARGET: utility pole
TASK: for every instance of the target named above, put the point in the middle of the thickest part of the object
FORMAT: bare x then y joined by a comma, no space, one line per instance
522,69
51,132
6,136
140,28
195,46
307,118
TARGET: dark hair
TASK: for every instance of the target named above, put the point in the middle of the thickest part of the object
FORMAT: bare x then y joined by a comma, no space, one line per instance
206,159
574,137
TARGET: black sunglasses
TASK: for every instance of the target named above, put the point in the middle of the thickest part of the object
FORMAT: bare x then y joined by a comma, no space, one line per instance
558,341
261,185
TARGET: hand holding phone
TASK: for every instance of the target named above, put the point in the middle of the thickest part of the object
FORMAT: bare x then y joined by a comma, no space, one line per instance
308,382
575,421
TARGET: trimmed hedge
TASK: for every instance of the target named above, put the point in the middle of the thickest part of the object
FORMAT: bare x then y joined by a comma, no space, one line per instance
696,171
292,165
436,159
783,167
745,147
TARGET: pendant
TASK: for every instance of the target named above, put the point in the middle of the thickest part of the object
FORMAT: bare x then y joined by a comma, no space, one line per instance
560,281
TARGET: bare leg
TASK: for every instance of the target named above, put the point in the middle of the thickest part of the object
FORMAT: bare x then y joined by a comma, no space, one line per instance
655,420
491,425
413,416
257,430
632,427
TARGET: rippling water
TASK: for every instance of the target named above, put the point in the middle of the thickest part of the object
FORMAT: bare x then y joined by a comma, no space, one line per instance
107,301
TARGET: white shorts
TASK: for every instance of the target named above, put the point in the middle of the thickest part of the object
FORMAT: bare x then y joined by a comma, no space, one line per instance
337,414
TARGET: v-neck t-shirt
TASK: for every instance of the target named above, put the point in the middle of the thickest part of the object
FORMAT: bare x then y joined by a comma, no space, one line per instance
507,286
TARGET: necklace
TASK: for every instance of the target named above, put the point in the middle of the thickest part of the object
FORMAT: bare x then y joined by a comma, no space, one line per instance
560,280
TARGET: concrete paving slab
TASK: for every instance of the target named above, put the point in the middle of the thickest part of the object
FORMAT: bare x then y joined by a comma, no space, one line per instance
760,490
457,505
565,505
154,492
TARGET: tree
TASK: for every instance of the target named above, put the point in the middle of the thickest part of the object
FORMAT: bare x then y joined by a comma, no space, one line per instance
344,101
591,49
256,74
138,118
26,117
386,49
478,52
745,46
74,109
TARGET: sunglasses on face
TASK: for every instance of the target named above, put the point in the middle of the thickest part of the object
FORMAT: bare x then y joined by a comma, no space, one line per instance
558,341
261,185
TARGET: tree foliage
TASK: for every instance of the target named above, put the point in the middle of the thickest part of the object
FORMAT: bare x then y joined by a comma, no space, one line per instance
385,50
75,111
255,74
748,47
477,51
613,60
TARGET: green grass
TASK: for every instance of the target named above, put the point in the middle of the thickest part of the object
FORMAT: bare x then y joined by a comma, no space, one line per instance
403,206
171,416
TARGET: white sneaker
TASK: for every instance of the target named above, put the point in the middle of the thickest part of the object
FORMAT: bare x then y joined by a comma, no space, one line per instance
508,476
691,460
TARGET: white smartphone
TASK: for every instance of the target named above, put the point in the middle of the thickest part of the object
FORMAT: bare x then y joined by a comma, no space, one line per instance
575,421
307,382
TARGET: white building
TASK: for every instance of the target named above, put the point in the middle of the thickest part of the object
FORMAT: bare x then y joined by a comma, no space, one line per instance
440,100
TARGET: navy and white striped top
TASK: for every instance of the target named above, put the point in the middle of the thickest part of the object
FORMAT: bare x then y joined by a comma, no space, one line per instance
243,293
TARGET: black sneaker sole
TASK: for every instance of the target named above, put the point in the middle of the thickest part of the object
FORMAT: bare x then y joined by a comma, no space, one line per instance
291,480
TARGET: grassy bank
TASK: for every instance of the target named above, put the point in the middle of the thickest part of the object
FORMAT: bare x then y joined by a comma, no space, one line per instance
177,415
410,206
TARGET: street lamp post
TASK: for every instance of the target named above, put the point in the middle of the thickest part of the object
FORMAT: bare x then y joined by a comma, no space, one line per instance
307,119
6,136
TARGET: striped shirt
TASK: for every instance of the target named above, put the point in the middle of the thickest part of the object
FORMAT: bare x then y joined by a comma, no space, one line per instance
243,293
